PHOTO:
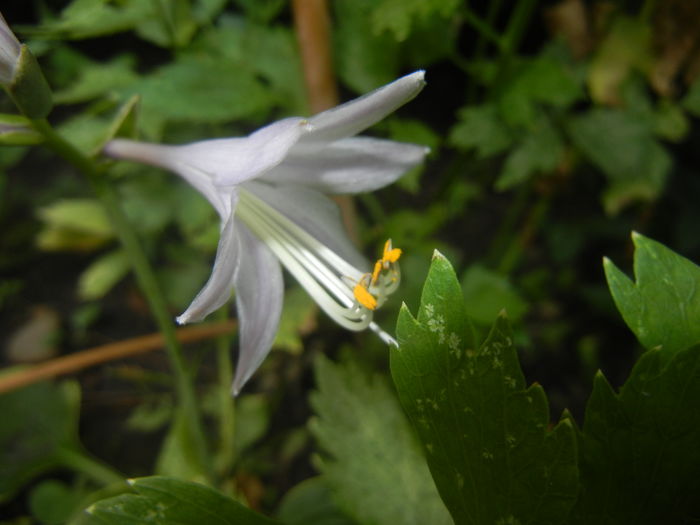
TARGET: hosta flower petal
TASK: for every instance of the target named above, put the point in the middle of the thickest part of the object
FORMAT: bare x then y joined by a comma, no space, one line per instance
259,292
218,289
352,165
314,212
9,52
352,117
223,161
232,161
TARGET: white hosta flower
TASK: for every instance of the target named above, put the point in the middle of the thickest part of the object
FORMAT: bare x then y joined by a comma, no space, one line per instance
9,53
268,189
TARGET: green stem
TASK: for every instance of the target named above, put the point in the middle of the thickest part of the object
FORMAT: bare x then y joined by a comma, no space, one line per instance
94,469
483,28
143,271
517,25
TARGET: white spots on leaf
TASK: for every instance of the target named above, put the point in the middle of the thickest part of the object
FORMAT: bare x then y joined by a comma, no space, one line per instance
486,454
509,381
511,440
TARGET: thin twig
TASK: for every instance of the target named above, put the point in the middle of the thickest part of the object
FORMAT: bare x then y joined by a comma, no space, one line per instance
109,352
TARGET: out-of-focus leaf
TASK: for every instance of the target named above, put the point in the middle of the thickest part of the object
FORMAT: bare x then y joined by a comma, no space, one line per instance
639,453
173,26
398,16
539,81
671,122
487,293
89,132
52,502
485,434
311,502
540,151
161,500
480,128
39,421
16,130
298,318
363,63
92,18
179,455
691,100
662,307
101,276
375,466
252,420
200,89
262,10
623,146
98,79
268,51
151,415
74,224
625,48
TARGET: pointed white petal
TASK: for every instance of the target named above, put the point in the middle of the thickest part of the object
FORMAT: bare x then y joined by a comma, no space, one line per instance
217,291
226,161
171,158
352,117
259,293
353,165
232,161
315,213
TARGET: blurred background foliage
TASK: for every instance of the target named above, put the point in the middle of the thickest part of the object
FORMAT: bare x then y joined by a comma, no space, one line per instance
556,128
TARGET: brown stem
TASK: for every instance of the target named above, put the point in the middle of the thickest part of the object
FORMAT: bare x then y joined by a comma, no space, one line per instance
313,29
109,352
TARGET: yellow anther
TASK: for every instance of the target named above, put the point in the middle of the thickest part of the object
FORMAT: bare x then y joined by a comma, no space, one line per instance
377,270
362,294
391,255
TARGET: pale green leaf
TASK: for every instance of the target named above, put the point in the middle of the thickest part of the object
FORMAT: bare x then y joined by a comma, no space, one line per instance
375,468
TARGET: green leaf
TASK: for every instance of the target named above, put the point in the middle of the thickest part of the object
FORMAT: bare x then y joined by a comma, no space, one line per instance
159,500
101,276
639,453
311,502
200,89
90,132
38,421
691,101
486,293
267,51
624,49
662,307
671,122
173,26
74,224
398,16
179,455
376,470
540,151
480,128
16,130
367,62
98,79
298,318
91,18
486,435
623,146
52,502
